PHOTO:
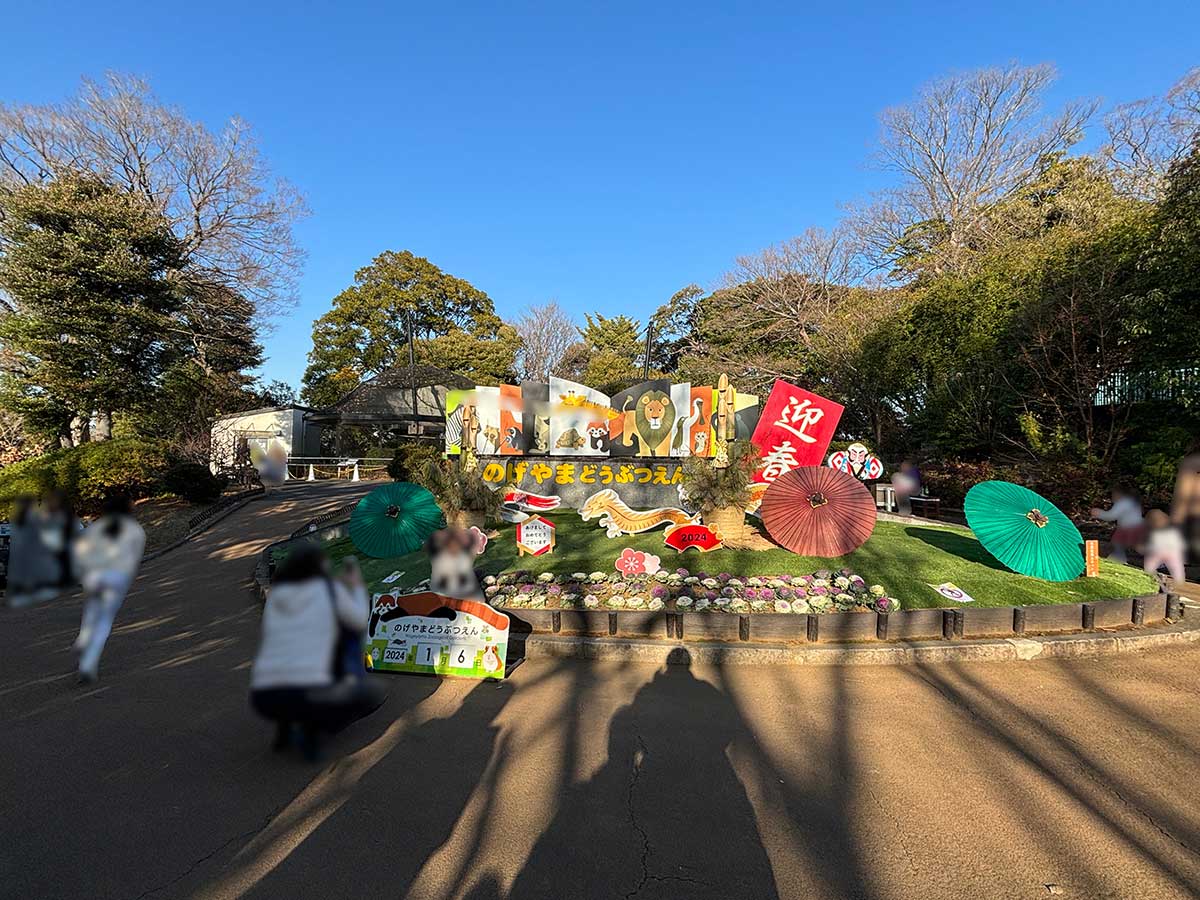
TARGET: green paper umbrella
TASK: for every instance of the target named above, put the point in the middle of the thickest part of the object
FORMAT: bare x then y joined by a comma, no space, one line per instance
1024,531
394,519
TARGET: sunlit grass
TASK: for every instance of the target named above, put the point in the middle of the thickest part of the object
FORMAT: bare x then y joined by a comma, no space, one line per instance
906,559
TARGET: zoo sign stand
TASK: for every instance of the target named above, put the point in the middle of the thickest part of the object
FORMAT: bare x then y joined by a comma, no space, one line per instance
431,634
535,536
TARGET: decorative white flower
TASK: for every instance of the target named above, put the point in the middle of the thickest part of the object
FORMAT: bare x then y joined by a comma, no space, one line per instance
579,576
489,579
655,604
683,603
663,576
777,583
537,601
722,602
739,606
546,577
755,581
782,606
759,606
820,582
842,582
878,590
597,577
801,606
844,598
691,579
591,601
491,590
636,602
615,602
711,583
702,604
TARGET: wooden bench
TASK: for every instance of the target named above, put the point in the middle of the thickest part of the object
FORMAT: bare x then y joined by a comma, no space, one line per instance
928,507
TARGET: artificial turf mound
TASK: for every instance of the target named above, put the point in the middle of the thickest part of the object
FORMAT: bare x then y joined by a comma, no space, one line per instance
905,558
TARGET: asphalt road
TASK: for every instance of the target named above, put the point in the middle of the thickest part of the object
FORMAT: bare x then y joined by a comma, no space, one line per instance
579,780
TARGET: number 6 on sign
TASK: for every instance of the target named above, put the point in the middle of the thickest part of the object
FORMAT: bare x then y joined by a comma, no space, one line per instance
428,654
462,657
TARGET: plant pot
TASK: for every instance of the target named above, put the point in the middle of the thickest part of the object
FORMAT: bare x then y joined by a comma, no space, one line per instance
465,518
730,521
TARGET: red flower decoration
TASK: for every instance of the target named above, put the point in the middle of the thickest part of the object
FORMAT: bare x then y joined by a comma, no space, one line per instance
631,562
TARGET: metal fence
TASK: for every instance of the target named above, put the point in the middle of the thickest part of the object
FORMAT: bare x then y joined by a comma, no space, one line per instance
1149,385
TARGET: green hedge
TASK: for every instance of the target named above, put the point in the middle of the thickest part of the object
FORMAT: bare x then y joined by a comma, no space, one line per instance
89,472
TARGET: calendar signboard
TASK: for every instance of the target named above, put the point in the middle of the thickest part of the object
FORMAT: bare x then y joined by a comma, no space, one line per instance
436,635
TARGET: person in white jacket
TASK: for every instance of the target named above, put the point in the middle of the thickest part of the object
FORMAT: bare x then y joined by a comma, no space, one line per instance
308,675
1126,512
107,555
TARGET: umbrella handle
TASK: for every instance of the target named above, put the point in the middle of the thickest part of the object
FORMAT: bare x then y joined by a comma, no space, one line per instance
1037,518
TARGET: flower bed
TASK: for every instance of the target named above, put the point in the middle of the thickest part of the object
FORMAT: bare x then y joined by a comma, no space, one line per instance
680,590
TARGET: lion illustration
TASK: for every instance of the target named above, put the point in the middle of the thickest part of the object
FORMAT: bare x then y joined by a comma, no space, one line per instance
655,416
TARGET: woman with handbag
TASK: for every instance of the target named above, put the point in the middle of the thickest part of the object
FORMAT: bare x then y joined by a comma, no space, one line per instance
308,676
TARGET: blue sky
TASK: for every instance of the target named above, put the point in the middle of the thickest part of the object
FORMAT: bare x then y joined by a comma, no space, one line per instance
600,154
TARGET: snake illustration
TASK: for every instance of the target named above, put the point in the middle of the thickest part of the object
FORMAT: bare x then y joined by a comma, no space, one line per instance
618,519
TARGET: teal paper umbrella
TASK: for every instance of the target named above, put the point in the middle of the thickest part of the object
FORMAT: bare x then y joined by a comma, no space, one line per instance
394,519
1024,531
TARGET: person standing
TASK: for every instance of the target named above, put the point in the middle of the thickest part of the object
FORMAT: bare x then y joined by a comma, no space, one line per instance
59,528
1185,506
1126,513
31,565
107,554
1164,546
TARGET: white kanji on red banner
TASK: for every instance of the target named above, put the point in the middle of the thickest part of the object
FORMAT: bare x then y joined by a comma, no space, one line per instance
794,430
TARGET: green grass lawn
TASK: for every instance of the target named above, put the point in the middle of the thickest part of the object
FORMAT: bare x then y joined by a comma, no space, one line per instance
906,559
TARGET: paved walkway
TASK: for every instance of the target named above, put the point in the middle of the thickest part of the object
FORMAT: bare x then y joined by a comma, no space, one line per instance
580,780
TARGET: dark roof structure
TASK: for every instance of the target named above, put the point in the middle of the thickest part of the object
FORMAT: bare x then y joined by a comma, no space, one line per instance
388,397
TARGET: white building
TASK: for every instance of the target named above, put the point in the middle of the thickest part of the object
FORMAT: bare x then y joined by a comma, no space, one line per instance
288,426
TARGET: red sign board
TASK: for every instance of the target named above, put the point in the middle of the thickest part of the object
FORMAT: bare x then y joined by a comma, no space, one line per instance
702,537
794,430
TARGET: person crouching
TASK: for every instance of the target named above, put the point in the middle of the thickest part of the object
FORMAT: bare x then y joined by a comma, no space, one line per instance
308,675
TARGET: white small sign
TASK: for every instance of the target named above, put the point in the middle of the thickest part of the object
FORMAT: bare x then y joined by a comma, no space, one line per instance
395,576
951,591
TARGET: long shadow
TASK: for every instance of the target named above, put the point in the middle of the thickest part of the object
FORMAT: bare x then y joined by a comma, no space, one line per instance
956,545
818,811
666,815
1081,775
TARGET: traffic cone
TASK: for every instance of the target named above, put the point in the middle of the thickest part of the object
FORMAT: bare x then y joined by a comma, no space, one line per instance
312,476
355,478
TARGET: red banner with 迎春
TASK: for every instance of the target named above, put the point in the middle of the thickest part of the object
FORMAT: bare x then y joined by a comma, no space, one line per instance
794,430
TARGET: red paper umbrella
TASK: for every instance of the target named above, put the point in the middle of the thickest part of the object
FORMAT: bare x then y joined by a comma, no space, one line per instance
817,511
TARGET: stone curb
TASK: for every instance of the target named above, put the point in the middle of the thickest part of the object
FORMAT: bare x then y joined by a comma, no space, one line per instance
205,525
1074,646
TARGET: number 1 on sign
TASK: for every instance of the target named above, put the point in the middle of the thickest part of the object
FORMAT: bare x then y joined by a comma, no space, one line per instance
429,654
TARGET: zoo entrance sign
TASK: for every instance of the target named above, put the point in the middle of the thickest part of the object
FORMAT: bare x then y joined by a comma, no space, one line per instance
566,439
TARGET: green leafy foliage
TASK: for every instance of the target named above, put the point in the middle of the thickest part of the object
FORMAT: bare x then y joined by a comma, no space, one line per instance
90,472
458,490
193,482
708,487
412,461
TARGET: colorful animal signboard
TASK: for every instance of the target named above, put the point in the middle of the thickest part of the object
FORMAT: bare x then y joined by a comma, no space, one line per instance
701,537
858,461
794,430
436,635
565,418
535,536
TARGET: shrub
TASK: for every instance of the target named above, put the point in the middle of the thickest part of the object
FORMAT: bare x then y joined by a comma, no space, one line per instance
708,488
90,472
412,460
458,490
193,482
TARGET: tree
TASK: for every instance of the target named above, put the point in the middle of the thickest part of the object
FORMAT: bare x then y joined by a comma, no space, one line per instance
966,142
232,218
546,332
1147,137
366,331
607,354
92,276
485,358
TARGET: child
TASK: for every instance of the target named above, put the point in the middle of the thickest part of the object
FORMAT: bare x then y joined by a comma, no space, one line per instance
1164,545
1126,511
